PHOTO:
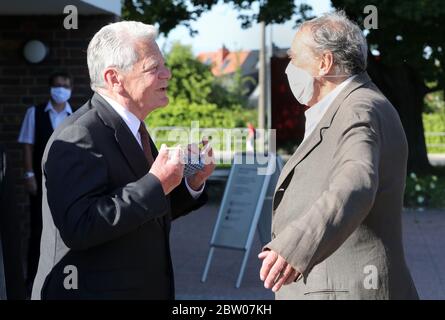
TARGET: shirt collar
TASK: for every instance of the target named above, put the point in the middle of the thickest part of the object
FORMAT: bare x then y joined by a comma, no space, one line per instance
129,118
318,109
50,107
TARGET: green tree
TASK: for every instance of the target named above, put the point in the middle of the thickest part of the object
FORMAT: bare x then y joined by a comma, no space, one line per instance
167,14
191,80
410,39
239,85
232,89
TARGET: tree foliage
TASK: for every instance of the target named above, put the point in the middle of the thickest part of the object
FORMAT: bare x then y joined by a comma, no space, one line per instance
409,32
410,39
167,14
191,80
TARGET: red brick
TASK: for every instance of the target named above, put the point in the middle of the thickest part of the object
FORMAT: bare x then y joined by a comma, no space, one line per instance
39,90
15,90
9,81
27,81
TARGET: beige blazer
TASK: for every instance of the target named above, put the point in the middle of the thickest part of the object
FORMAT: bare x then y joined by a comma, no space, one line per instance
338,203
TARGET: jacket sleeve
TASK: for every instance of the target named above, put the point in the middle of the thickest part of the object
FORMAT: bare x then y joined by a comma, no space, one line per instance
343,206
85,210
182,201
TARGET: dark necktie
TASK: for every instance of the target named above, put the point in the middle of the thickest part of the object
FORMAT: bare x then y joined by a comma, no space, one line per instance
145,140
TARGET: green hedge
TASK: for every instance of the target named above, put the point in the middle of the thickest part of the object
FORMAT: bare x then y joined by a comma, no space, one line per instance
424,191
179,113
434,122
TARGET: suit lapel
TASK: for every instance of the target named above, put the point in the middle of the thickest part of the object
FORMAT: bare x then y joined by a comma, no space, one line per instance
316,137
124,137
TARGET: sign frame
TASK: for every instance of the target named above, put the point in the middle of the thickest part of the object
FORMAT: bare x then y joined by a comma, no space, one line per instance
261,220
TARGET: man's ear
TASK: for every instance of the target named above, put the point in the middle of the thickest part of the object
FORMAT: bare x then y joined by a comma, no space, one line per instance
112,79
326,63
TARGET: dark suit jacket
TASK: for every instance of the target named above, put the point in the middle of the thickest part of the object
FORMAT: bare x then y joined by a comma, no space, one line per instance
106,220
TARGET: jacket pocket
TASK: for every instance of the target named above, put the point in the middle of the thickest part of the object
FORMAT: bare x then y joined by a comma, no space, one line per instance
326,291
328,294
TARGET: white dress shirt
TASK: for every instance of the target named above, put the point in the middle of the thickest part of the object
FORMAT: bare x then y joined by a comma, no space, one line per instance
27,132
133,124
316,112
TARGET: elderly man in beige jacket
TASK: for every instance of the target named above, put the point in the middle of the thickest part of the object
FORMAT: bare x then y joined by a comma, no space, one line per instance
336,230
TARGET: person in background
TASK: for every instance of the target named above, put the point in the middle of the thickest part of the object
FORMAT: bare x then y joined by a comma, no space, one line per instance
38,125
251,135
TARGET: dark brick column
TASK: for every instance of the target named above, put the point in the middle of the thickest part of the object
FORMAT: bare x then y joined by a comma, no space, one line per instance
23,84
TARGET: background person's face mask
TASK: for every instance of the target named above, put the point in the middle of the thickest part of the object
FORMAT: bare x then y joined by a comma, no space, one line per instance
60,94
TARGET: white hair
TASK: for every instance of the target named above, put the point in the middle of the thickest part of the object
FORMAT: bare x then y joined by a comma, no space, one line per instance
114,46
334,32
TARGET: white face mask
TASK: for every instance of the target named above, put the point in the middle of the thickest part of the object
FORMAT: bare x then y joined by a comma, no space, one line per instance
60,94
301,83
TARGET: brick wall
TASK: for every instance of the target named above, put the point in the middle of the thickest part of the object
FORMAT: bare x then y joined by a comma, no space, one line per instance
23,84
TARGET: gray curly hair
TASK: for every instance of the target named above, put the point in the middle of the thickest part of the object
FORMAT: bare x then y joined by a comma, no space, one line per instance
334,32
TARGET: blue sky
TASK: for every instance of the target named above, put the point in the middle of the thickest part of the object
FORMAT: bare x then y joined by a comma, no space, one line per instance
221,26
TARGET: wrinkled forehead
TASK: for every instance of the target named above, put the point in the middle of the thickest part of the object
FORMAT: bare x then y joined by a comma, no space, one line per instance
148,50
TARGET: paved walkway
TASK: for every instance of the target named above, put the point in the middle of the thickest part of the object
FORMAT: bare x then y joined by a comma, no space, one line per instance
424,238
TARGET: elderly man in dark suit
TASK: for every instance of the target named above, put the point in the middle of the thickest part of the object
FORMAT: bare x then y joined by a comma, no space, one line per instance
108,196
